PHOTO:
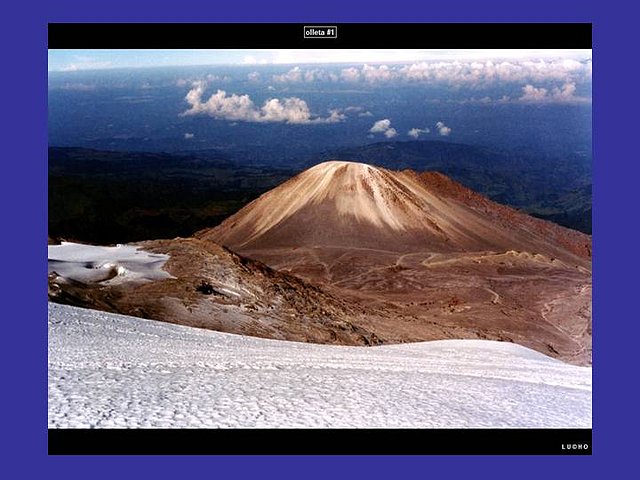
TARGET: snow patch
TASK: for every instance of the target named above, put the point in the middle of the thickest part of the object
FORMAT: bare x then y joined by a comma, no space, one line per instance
107,265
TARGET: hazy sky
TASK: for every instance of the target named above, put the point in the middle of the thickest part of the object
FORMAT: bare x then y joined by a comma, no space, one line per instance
72,60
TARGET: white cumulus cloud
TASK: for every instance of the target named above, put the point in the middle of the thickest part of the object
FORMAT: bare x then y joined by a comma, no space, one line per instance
443,129
390,133
384,127
376,74
416,132
533,94
293,75
381,126
223,106
188,136
351,74
565,93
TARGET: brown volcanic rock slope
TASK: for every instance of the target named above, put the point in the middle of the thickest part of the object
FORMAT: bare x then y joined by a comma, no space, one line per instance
432,253
216,289
346,204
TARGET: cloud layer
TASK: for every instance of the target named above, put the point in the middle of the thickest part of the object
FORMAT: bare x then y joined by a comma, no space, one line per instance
461,73
222,106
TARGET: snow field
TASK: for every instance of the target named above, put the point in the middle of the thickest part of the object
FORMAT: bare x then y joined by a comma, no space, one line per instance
108,370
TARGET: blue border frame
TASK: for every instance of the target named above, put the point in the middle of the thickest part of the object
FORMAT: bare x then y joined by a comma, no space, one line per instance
24,219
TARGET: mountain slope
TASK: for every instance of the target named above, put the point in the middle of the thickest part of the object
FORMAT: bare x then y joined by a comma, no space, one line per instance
540,184
347,253
427,251
350,204
207,286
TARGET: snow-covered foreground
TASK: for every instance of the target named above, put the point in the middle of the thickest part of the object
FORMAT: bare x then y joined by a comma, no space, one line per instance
109,370
90,263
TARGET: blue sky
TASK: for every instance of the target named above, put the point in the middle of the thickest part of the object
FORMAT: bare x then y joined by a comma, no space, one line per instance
73,60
